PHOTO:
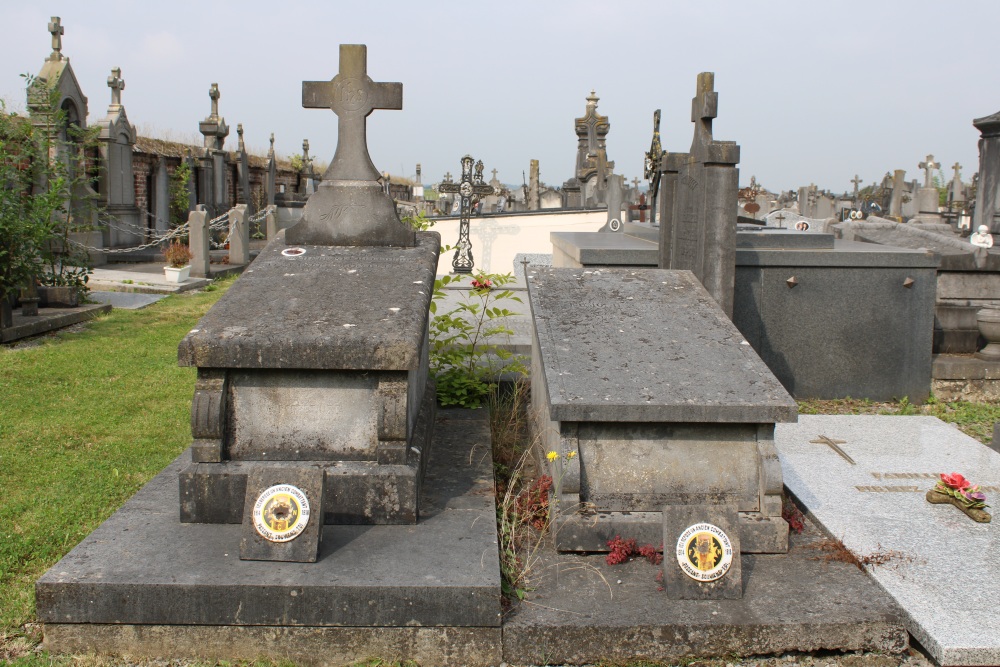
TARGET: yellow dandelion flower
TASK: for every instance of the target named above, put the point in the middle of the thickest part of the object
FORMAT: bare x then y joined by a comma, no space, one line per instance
571,455
552,456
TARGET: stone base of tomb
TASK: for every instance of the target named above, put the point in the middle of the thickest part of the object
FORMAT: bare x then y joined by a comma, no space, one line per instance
354,492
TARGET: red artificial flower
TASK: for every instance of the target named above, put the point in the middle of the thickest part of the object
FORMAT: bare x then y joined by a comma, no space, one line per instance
481,284
955,481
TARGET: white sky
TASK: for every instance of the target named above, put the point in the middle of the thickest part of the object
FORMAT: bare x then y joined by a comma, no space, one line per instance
812,91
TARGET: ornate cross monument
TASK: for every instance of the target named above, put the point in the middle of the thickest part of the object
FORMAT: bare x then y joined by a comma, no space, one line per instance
57,30
117,84
470,189
857,181
652,166
349,207
929,165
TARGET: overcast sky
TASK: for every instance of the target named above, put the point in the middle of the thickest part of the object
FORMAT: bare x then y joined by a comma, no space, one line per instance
813,92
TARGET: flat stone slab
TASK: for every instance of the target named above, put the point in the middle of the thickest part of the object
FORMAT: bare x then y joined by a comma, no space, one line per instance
125,300
144,567
646,345
583,611
49,319
943,566
316,309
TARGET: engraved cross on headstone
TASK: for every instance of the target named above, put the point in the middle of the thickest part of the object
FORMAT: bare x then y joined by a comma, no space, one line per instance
704,107
57,30
781,220
928,165
835,446
117,84
470,190
352,95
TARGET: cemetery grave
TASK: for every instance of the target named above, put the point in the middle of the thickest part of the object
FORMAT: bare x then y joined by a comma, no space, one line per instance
325,511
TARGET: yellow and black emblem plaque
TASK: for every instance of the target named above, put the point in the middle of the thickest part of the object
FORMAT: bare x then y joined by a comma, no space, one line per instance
281,513
704,552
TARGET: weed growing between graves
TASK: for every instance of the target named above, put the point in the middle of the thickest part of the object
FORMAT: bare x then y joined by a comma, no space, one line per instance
463,360
88,418
834,551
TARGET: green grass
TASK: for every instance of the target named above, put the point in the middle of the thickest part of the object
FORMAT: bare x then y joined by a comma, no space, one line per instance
975,419
87,419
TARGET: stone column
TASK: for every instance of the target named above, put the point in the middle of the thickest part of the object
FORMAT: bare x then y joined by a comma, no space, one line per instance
988,192
271,222
239,236
198,239
896,202
161,197
533,195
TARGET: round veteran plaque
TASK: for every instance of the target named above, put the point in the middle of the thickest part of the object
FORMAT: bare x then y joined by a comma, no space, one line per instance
704,552
281,513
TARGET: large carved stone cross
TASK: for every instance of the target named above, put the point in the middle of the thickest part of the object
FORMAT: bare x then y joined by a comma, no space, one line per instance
857,180
57,30
928,165
214,94
117,84
352,95
704,107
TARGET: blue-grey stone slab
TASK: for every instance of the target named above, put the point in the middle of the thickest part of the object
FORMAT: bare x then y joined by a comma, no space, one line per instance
646,345
329,307
126,300
943,566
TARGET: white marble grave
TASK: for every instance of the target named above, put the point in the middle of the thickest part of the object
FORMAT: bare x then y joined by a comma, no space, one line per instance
946,576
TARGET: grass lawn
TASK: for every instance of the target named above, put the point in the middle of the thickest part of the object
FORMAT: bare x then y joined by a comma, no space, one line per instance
88,417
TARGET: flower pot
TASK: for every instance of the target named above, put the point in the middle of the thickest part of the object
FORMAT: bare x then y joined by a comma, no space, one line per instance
989,328
177,275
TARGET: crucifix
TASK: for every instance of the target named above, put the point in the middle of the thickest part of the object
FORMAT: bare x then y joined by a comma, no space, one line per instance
928,165
652,171
117,84
352,95
57,30
835,446
857,181
470,190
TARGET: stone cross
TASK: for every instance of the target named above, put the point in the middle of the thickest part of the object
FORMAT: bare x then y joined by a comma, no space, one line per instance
494,174
305,155
857,181
447,177
239,131
117,84
470,189
352,95
270,151
958,168
214,94
57,30
929,165
704,107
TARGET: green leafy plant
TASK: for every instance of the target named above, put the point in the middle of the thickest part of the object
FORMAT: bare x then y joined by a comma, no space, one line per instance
180,199
464,361
419,221
45,194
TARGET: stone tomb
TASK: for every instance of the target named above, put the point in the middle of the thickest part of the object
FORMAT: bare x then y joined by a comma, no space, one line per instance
296,365
940,565
293,365
641,375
